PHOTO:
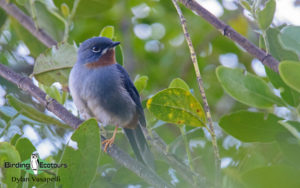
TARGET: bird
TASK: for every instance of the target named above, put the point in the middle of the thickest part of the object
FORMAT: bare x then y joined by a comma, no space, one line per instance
34,163
102,89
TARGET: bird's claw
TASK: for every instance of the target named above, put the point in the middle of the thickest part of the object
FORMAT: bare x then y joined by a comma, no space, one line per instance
108,143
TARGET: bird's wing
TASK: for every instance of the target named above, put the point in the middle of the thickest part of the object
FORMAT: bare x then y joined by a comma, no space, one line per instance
136,136
134,94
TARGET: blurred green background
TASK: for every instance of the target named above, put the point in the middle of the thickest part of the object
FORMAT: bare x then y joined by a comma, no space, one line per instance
153,45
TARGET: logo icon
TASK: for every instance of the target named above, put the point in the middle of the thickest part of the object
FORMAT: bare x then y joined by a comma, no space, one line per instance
34,163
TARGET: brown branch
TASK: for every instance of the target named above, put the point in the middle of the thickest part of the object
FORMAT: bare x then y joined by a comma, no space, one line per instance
26,84
27,22
228,31
60,111
52,105
202,91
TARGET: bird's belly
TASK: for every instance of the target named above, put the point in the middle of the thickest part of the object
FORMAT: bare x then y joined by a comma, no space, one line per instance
111,117
101,95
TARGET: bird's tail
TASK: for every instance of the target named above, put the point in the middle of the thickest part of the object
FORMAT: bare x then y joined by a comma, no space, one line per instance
139,145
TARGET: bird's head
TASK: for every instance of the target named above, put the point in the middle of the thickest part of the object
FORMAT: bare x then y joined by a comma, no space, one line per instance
97,51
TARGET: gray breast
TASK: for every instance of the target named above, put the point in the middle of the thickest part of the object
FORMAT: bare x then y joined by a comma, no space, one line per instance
101,94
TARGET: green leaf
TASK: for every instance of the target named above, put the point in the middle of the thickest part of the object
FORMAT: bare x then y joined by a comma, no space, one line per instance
8,153
290,147
82,161
54,93
92,8
108,31
176,105
280,53
7,113
65,10
276,49
32,113
48,21
266,15
248,89
25,148
34,45
252,126
55,65
140,82
179,83
272,176
289,38
290,73
3,18
131,178
245,5
14,139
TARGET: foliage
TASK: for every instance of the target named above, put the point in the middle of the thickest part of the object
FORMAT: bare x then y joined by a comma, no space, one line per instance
256,117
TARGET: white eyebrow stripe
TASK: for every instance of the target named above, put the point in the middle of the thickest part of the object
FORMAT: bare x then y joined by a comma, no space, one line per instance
104,51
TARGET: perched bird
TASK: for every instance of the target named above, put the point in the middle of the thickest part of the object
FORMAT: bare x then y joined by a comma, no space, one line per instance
101,88
34,163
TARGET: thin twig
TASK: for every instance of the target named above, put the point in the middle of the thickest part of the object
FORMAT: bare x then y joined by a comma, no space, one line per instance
226,30
161,148
156,141
187,149
201,87
52,105
27,22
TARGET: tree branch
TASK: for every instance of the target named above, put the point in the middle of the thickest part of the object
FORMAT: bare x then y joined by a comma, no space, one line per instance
52,105
27,22
26,84
228,31
202,91
60,111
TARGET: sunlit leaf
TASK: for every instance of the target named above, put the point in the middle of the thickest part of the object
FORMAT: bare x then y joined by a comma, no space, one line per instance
252,126
247,88
32,113
82,158
55,65
140,82
240,24
64,8
8,153
290,73
179,83
265,16
176,105
245,5
108,32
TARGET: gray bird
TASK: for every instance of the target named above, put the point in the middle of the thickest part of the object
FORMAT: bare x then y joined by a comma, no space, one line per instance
101,88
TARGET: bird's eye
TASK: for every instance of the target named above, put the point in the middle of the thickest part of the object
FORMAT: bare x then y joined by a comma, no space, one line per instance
96,49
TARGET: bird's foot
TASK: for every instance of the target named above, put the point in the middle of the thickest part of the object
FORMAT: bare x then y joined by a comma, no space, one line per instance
108,143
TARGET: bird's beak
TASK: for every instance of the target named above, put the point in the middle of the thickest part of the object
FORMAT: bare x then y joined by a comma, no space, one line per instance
114,44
